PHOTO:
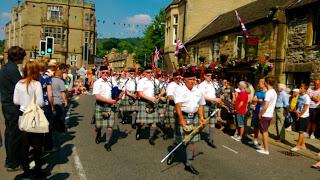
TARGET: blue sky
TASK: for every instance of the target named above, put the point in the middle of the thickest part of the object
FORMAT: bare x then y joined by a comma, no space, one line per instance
115,18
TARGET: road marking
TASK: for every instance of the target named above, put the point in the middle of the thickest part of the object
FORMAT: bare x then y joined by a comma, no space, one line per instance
78,164
68,112
230,149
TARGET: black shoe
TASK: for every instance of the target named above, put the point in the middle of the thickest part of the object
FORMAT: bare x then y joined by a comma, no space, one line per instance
98,138
191,169
138,134
107,146
211,144
165,137
41,173
10,169
151,141
170,159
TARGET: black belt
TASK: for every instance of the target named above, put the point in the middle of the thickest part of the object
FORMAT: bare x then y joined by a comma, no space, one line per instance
171,103
279,107
189,115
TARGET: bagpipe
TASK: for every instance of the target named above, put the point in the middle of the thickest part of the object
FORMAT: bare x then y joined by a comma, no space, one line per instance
116,93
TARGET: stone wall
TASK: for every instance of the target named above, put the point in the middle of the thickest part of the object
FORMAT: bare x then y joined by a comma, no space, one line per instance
297,51
299,55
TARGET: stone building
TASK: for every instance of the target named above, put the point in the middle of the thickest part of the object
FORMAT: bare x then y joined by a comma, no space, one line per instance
284,30
71,22
121,60
302,53
186,18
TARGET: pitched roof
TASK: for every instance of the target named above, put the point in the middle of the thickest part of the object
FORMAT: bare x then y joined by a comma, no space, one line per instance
175,2
249,13
300,3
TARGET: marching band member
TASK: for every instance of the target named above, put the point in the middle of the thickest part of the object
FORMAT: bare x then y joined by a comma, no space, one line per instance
171,90
162,103
148,90
208,89
189,104
104,116
129,104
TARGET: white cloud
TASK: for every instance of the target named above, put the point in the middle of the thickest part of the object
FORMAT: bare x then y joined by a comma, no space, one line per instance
142,19
5,15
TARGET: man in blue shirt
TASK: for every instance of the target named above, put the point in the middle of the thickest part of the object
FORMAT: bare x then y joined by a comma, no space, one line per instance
257,101
282,105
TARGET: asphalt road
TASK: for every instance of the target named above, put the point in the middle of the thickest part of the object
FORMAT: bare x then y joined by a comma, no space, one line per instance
80,158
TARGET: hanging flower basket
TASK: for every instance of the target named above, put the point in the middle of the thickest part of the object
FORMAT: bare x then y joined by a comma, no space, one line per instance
263,66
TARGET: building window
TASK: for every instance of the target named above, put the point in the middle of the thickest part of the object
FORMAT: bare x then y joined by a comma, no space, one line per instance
87,18
239,47
215,49
316,28
54,13
168,25
56,32
175,29
86,37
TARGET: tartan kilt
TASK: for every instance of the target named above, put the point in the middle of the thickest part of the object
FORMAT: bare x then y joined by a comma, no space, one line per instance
180,134
100,121
208,109
162,110
125,106
171,115
144,117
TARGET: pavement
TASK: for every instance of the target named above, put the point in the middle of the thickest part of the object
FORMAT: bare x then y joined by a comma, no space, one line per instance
80,158
312,145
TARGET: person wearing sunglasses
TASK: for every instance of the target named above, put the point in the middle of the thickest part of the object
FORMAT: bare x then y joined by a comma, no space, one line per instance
148,114
129,104
189,105
104,116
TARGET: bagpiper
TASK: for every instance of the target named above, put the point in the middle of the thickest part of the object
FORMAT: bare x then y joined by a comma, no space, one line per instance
129,104
104,116
208,89
171,91
189,105
148,91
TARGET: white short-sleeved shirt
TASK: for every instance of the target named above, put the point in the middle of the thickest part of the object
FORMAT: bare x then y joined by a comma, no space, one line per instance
207,89
271,97
312,93
302,100
122,82
190,100
172,89
146,86
102,88
131,85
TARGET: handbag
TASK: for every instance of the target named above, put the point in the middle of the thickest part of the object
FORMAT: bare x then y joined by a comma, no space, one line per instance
33,119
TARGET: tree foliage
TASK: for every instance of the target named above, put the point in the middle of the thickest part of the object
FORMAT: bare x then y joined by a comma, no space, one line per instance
1,46
104,46
153,37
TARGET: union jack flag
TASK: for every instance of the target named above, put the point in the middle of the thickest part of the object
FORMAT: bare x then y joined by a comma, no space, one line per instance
243,27
179,46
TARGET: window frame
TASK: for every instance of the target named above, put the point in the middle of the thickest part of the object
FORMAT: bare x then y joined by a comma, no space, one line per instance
242,51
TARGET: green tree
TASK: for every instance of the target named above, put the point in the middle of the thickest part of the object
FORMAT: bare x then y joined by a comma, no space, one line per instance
125,45
153,37
1,46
